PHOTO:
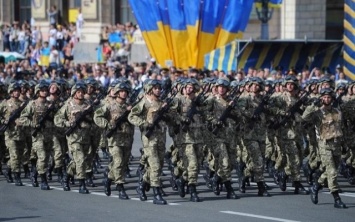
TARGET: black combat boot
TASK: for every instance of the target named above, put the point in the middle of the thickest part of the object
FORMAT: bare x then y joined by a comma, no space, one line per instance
141,190
314,192
282,178
104,153
18,181
34,176
216,183
158,199
66,180
350,175
193,193
121,192
299,188
1,173
262,192
172,180
107,185
59,175
44,182
8,175
140,170
89,180
26,171
82,188
50,170
337,201
230,191
180,182
241,183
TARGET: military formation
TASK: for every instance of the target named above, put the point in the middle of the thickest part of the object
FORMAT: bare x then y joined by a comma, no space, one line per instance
217,125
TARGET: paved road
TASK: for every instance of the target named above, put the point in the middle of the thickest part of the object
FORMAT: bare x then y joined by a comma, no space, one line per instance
31,204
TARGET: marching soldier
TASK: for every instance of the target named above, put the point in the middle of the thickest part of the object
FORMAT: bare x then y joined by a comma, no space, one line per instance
222,152
142,115
328,121
14,135
43,141
119,143
78,140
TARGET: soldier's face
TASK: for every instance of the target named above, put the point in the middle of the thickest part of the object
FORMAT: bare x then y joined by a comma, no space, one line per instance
91,89
16,93
156,91
327,100
290,86
189,89
255,88
79,94
325,85
53,89
221,90
43,92
122,94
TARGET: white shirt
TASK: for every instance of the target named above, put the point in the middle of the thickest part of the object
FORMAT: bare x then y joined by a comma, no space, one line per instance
54,57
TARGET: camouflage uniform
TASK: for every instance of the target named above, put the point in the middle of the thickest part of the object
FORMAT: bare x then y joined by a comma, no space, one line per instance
42,143
223,152
14,135
78,141
119,143
142,116
328,121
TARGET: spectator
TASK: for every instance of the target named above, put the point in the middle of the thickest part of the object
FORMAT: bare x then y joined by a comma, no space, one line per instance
79,24
14,44
53,15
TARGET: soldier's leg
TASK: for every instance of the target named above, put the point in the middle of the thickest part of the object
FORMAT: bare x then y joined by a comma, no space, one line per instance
80,152
16,155
43,152
2,151
58,156
191,167
27,152
117,170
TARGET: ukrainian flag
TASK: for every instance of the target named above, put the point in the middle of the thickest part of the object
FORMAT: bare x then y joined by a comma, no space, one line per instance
185,30
349,39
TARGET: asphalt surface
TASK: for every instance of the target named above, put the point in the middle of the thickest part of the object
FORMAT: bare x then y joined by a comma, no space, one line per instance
27,203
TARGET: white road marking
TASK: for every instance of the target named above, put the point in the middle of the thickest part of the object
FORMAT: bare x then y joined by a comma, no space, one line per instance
98,194
258,216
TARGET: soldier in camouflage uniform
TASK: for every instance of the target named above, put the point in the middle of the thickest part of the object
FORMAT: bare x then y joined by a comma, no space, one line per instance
79,140
119,143
59,141
43,141
288,164
142,116
27,130
254,133
328,121
3,150
189,108
223,152
14,135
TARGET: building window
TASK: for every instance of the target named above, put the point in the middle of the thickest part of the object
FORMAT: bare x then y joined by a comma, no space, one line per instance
75,4
25,11
334,19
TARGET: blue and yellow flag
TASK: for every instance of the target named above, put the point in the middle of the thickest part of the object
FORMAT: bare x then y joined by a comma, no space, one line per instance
269,54
349,39
185,30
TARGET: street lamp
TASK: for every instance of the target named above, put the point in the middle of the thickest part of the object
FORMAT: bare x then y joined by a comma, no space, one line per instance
264,15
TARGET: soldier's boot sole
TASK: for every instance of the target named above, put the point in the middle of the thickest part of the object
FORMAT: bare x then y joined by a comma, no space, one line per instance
339,204
141,194
314,195
122,195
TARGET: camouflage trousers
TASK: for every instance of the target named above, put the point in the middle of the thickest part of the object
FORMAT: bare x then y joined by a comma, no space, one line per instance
271,147
289,159
117,167
16,149
224,156
59,150
191,158
94,145
79,162
42,150
255,162
27,146
3,149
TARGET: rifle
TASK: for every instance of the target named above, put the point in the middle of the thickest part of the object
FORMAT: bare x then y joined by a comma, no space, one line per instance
82,116
337,102
261,107
43,118
14,115
226,113
192,111
160,114
124,116
291,111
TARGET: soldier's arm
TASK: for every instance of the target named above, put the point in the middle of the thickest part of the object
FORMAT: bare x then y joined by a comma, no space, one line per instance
61,117
2,112
26,117
100,117
309,115
135,116
243,108
209,105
